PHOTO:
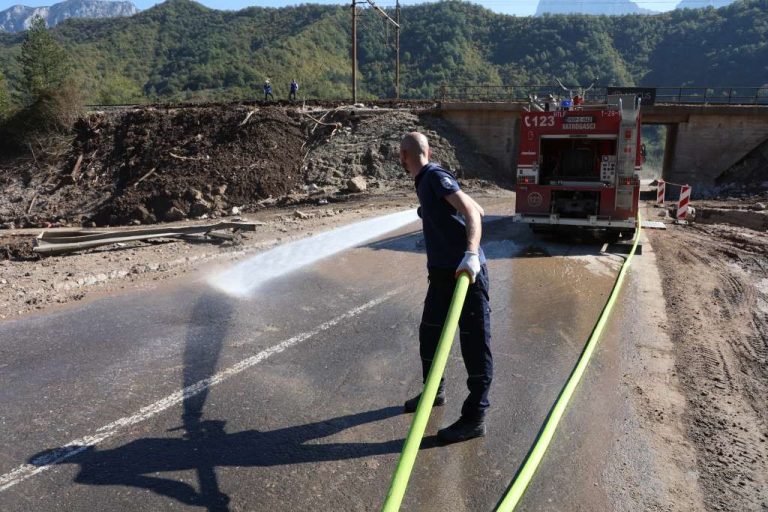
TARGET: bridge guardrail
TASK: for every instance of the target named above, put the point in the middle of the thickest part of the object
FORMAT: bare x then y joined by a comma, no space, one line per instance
679,95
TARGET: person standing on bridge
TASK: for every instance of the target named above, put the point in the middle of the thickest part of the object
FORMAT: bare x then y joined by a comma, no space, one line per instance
294,89
451,222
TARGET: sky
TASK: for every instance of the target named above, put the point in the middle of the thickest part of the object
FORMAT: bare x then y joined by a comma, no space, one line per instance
517,7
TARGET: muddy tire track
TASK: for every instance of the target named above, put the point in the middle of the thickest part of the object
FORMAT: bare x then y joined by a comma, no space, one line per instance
716,290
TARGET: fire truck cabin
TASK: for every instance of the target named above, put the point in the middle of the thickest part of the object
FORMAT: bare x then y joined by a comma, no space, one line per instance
579,167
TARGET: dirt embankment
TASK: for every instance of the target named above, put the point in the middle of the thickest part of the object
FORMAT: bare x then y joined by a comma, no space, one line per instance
154,165
368,144
715,283
749,212
148,165
747,176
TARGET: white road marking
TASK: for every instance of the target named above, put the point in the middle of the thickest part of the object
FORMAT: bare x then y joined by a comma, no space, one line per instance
42,463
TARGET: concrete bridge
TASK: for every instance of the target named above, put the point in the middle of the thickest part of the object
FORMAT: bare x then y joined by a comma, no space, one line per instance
702,142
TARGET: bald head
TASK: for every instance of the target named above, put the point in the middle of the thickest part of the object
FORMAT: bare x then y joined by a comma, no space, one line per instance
414,152
415,144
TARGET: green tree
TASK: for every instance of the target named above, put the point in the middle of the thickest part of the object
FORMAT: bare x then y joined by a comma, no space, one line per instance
44,63
117,89
5,100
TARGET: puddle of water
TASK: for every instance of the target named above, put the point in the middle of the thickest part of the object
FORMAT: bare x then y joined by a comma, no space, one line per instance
603,265
246,277
500,249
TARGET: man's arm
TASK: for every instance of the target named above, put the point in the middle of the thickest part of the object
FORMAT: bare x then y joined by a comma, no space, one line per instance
472,214
479,208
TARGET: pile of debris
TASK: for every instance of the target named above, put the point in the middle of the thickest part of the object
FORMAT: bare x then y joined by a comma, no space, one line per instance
17,248
747,177
365,152
750,213
167,166
152,164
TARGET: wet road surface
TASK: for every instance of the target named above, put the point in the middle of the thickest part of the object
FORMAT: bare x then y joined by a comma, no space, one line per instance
307,383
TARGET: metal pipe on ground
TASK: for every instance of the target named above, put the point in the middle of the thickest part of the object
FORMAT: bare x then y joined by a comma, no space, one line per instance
52,243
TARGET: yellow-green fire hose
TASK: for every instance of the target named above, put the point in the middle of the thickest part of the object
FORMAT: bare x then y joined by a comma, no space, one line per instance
525,475
421,417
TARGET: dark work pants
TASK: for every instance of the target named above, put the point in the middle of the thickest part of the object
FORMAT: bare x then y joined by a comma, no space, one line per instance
474,334
292,96
268,95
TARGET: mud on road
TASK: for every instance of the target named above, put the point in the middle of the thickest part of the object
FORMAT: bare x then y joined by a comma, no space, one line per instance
715,283
36,285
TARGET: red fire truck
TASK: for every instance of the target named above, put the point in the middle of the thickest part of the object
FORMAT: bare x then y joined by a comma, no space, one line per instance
579,167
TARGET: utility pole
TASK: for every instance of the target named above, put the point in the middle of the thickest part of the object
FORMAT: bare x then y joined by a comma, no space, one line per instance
354,52
354,45
397,48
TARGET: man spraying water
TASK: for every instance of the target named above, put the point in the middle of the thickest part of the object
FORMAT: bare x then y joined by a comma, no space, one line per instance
452,228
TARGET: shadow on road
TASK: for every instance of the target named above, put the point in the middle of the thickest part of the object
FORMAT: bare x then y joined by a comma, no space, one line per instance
209,324
205,444
136,464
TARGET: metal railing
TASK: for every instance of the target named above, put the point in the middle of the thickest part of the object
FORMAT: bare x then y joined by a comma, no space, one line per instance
713,95
666,95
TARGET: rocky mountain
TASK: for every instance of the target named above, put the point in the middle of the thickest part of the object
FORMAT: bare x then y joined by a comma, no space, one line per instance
611,8
19,17
698,4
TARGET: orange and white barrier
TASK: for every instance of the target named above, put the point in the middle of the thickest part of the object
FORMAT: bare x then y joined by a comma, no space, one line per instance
682,204
660,191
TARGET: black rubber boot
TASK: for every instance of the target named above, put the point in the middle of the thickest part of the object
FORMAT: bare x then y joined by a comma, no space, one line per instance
465,428
410,405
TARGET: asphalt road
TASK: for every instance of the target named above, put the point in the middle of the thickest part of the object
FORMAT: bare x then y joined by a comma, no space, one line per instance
293,398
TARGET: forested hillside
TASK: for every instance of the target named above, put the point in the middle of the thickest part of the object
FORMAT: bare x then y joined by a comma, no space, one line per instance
183,50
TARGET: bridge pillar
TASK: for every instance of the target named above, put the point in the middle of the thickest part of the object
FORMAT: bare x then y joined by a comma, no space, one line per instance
707,145
494,128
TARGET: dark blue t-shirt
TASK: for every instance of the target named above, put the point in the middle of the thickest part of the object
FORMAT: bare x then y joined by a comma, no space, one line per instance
445,232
